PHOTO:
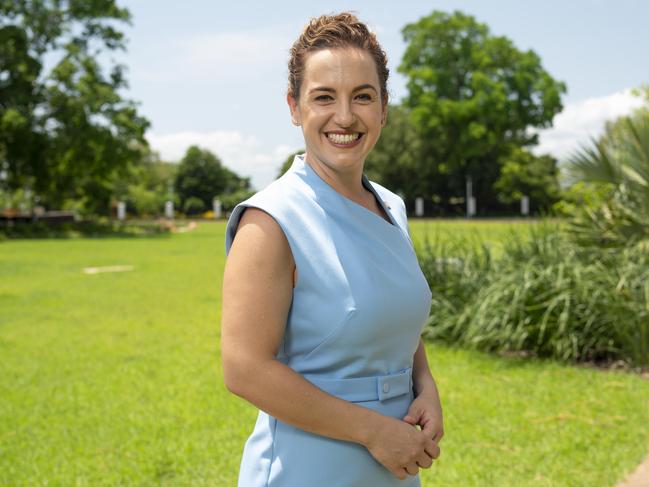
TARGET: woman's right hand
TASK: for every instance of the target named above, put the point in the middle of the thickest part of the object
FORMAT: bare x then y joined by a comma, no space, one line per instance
401,447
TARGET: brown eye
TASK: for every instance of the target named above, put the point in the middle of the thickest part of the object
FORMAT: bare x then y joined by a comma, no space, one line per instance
323,98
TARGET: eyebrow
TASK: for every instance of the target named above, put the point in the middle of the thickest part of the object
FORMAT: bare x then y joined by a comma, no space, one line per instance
331,90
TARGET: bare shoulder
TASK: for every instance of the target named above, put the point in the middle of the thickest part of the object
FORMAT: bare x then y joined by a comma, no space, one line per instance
260,240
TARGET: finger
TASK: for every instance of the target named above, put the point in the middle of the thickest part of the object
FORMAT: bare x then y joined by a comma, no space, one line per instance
436,451
429,429
401,473
432,449
429,447
424,461
414,416
438,436
409,419
412,469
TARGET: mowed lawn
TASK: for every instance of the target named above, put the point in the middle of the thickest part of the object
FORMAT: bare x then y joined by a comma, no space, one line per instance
115,379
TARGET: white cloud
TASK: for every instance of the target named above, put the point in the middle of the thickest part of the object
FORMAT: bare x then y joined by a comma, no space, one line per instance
244,154
581,120
233,54
217,57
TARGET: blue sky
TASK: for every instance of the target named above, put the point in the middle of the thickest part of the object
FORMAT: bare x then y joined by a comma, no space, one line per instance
213,73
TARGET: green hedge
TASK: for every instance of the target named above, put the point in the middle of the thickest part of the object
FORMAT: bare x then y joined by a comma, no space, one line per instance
100,227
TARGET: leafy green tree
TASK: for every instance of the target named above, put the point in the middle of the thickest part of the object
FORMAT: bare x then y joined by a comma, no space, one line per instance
201,175
193,205
147,186
66,132
18,92
474,96
523,173
230,200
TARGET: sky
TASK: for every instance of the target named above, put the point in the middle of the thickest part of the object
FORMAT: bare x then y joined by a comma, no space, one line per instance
214,73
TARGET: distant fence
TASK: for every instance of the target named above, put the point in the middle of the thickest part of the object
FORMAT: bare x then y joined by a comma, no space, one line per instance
9,218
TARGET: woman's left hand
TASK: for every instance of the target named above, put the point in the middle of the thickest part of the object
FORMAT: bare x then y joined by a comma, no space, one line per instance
426,411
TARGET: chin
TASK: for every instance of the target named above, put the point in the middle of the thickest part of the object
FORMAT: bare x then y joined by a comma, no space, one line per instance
347,159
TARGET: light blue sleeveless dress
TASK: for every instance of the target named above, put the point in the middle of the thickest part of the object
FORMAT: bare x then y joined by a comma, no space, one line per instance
358,308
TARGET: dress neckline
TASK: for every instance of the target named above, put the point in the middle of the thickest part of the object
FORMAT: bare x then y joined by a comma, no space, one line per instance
366,183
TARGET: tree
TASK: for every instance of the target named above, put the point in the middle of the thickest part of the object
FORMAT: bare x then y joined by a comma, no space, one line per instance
523,173
18,92
474,96
66,132
202,176
147,185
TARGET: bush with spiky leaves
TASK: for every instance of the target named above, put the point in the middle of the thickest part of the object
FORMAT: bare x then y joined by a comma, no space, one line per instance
545,296
618,162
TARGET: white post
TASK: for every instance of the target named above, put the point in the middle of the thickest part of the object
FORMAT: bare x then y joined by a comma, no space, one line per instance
419,206
216,204
169,209
121,210
470,201
525,205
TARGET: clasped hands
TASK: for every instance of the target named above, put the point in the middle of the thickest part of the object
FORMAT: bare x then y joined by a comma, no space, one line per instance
403,448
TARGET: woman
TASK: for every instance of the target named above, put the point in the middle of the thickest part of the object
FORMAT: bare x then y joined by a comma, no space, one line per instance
323,297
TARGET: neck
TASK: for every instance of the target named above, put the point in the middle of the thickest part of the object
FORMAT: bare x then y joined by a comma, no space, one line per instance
348,183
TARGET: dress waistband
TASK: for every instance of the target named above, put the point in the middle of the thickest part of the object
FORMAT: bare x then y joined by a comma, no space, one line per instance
374,388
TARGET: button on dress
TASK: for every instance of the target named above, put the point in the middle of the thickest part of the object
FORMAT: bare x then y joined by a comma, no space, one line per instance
353,326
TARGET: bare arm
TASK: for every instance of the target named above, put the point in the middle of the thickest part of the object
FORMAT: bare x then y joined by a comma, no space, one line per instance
426,409
421,376
257,293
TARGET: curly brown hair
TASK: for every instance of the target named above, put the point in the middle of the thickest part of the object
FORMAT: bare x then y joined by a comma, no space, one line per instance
335,31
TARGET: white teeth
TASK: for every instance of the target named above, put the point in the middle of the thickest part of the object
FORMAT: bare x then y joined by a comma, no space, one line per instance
343,139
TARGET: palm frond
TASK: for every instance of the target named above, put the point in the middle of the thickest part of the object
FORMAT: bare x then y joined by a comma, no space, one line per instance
622,161
594,164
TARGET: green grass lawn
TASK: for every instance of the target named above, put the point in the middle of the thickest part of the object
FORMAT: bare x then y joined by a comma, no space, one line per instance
493,232
115,379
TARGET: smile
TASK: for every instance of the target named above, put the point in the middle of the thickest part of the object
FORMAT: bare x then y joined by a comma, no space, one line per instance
348,139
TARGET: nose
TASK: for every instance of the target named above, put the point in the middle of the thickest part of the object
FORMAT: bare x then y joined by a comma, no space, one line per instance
344,115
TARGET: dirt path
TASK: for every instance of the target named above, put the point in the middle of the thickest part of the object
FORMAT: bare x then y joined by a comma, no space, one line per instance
639,477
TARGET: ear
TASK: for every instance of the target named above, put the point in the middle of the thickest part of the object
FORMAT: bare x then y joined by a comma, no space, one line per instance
293,107
384,115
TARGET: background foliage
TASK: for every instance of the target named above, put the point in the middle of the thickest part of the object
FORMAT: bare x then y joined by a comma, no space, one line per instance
65,132
473,100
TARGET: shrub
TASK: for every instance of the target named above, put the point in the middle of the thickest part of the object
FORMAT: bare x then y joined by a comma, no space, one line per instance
193,205
546,296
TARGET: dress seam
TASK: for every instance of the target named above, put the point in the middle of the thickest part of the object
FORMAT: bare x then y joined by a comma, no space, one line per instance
272,449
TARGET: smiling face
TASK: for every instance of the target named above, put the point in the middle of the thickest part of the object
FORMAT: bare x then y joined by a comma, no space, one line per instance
339,107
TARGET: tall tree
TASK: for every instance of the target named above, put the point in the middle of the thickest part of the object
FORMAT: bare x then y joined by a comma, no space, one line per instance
201,176
66,132
475,96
